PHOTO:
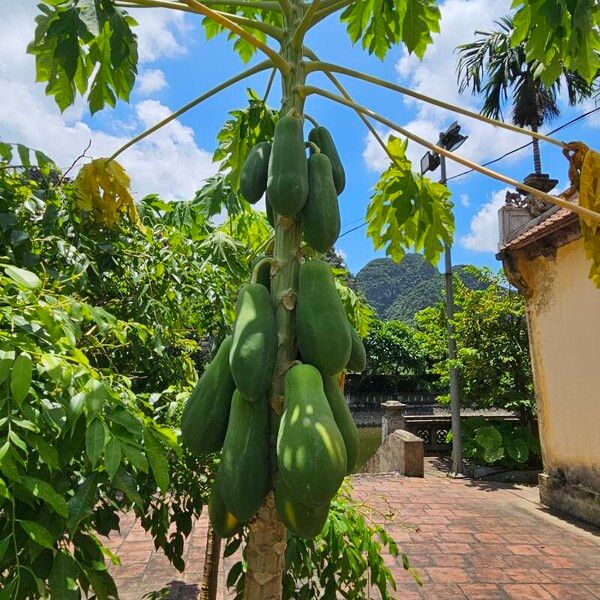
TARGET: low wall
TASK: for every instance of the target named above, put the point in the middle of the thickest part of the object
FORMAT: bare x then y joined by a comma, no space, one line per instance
402,452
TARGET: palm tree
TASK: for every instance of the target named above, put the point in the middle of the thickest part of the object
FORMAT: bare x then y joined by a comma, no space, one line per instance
492,66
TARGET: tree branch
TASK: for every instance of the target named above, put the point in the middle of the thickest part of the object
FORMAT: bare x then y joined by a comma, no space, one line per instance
271,5
329,8
275,57
269,85
317,65
286,7
263,66
305,24
308,90
271,30
344,92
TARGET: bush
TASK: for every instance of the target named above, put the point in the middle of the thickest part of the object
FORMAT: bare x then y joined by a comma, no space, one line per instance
100,330
499,443
342,557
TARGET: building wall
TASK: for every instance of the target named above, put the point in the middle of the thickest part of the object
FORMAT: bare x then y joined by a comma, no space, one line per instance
564,324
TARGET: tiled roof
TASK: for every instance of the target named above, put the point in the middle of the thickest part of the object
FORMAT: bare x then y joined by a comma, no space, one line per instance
555,220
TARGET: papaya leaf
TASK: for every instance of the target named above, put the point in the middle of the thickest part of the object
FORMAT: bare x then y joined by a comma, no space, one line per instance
244,49
380,24
86,47
408,210
103,193
246,128
589,197
557,34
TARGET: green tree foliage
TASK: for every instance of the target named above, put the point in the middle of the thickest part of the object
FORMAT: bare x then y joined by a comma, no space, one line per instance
246,128
408,210
381,25
394,348
493,350
559,34
85,47
100,333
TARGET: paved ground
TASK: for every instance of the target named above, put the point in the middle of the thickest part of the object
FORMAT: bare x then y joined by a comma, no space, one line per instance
467,540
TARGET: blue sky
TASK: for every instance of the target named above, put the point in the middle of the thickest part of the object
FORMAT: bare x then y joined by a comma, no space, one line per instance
178,64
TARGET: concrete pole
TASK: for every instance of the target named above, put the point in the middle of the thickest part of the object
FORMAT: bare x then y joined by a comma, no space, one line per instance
457,460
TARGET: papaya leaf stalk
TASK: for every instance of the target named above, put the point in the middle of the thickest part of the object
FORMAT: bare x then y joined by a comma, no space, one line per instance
580,210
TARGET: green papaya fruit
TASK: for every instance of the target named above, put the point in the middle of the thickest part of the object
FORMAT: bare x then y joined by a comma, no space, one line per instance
254,344
253,178
270,213
206,413
287,185
264,272
224,523
310,449
358,355
321,213
323,140
343,420
300,519
324,338
243,476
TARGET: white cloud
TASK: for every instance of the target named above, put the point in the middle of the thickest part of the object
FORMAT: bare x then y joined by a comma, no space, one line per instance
373,154
168,163
465,200
594,119
151,81
159,33
484,233
435,76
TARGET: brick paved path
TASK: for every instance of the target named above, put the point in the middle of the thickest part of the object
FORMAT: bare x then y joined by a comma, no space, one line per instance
467,540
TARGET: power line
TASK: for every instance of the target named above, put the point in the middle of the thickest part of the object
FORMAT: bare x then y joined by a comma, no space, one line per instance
354,229
495,160
491,162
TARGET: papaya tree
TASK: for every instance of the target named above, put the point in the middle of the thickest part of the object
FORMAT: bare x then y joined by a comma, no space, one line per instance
290,338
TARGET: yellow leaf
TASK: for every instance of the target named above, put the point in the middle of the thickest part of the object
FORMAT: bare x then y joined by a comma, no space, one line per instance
589,197
103,191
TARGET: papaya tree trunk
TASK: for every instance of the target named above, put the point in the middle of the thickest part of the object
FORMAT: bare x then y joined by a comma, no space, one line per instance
210,574
265,551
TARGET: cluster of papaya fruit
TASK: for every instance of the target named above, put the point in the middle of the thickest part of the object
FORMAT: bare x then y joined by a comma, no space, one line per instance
229,410
294,184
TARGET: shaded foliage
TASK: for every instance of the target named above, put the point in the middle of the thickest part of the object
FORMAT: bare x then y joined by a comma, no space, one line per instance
102,326
499,444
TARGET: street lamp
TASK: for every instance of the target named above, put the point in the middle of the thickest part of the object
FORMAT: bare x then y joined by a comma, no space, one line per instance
451,139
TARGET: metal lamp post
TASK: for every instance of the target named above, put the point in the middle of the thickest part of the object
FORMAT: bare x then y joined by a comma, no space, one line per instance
450,139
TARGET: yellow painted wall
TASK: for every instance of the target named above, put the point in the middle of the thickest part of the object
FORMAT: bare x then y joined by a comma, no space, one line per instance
564,324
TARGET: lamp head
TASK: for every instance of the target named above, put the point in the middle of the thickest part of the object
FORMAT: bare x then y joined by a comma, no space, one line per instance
451,139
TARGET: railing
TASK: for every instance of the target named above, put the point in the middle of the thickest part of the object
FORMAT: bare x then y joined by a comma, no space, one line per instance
374,401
